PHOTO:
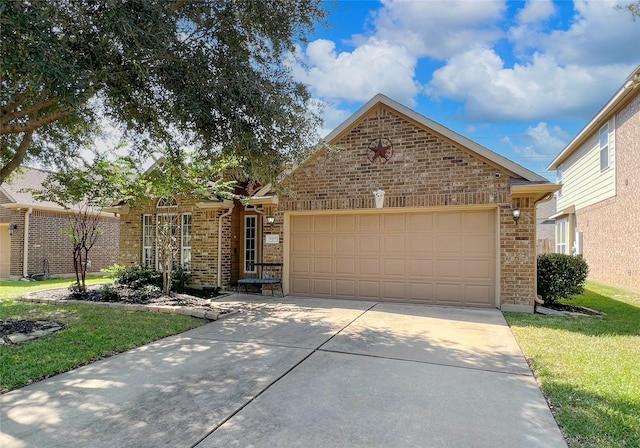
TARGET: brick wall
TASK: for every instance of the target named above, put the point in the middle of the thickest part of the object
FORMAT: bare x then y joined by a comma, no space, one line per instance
204,243
48,241
424,171
611,228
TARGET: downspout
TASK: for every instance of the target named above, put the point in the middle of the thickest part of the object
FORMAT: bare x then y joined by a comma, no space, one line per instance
545,198
224,215
25,239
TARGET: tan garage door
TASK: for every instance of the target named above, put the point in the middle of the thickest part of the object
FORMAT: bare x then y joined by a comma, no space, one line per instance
435,257
5,251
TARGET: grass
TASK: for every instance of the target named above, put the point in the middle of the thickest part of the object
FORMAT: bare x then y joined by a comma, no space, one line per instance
589,367
89,333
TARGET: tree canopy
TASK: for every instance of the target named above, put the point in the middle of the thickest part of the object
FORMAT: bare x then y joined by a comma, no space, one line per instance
209,75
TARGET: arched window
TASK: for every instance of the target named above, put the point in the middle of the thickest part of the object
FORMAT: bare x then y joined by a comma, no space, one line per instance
169,202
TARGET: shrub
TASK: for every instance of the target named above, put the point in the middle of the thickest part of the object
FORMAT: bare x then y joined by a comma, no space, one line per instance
146,293
135,276
109,293
77,290
561,276
179,279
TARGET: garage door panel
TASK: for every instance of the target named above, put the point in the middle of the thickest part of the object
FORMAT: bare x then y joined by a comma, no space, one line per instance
322,265
394,243
478,294
322,224
420,267
345,266
420,244
448,245
322,287
394,290
301,265
432,257
369,244
322,243
394,223
395,267
369,266
301,285
300,243
345,288
420,222
478,269
345,243
448,293
420,291
369,289
368,223
346,223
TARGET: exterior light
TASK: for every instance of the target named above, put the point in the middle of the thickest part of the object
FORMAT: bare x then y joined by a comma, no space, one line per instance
516,215
12,227
271,220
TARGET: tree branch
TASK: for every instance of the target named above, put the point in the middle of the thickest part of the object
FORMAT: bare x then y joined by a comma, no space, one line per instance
177,5
7,117
12,106
18,157
34,124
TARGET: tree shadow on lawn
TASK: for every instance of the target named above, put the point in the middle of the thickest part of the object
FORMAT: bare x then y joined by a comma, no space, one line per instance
621,319
590,419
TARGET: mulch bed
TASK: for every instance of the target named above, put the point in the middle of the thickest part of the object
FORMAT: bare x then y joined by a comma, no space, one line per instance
573,309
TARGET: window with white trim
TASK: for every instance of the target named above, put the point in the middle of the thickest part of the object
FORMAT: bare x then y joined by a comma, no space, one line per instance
185,256
169,202
250,243
166,236
559,180
147,240
562,227
604,147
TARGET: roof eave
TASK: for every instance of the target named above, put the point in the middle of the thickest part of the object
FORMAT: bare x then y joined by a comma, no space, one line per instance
538,191
607,110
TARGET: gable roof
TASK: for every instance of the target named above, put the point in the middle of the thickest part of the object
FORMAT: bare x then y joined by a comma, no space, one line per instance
626,93
26,179
444,132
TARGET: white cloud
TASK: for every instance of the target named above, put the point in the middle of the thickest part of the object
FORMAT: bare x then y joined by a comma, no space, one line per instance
541,89
374,67
536,11
600,34
439,29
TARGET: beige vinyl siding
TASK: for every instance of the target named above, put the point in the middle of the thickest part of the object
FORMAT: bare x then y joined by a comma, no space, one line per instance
583,183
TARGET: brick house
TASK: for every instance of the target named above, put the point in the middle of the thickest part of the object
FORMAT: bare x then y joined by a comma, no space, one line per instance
443,232
44,246
598,211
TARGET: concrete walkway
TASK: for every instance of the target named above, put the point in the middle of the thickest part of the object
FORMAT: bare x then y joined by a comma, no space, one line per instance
299,372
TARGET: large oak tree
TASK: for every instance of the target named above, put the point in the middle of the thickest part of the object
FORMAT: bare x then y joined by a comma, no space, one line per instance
209,75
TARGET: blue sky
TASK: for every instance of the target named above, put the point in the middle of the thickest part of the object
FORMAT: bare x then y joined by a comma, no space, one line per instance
521,78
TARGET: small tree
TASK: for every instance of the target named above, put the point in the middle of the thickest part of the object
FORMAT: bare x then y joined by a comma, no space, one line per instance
177,175
561,276
84,192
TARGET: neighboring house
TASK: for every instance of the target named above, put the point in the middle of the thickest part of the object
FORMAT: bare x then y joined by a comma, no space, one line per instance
598,211
444,234
546,226
44,247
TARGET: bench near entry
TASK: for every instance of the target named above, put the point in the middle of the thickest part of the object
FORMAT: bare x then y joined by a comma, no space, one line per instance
267,274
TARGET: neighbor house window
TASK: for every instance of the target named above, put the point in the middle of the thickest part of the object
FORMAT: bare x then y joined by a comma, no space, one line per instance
604,147
147,240
559,180
186,242
562,227
250,243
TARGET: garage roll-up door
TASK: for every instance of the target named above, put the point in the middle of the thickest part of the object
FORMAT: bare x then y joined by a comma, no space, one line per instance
435,257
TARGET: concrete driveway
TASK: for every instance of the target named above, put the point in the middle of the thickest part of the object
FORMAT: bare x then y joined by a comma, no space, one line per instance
299,372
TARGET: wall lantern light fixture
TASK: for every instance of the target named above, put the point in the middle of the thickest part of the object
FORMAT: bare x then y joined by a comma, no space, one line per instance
271,220
12,227
516,215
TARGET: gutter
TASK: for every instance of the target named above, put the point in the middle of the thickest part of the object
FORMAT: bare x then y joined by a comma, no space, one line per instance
25,247
224,215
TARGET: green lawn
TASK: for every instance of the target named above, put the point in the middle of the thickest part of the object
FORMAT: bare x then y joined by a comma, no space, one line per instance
89,333
589,367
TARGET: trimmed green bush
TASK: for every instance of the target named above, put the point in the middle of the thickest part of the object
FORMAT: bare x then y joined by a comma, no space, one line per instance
561,276
138,276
